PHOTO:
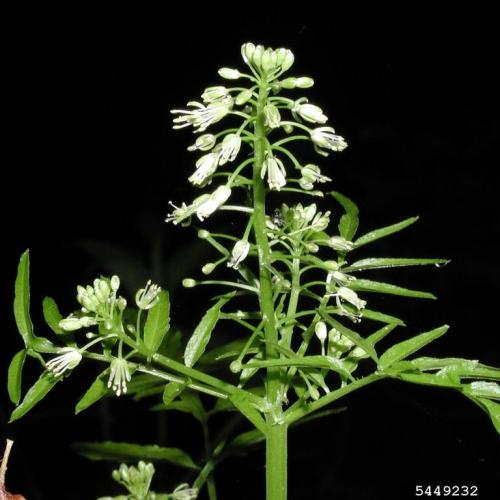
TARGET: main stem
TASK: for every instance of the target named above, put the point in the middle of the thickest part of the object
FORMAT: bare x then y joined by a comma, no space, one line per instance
276,436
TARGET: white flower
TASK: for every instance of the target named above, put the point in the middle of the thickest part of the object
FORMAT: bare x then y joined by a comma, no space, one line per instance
230,148
183,213
119,376
213,202
276,173
267,61
229,73
202,116
184,492
350,296
146,298
311,174
68,360
341,244
320,221
239,253
205,168
337,278
213,94
309,112
320,331
272,117
325,137
203,142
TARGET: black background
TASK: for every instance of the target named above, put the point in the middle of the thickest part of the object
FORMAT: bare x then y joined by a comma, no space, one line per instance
91,164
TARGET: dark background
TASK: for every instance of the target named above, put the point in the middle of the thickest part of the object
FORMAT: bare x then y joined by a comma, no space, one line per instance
91,164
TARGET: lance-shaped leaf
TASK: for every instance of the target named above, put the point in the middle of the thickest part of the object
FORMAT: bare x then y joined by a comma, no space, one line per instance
482,389
244,440
201,336
355,337
380,263
383,232
171,391
52,315
381,333
14,377
429,379
35,394
377,316
490,407
463,368
406,348
128,452
157,323
361,285
22,299
94,393
348,224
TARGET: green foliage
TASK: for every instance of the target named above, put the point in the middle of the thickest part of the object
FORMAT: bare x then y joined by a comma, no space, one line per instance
157,323
14,377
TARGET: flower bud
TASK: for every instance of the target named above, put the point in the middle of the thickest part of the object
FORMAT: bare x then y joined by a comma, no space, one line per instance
321,331
214,94
229,73
188,283
70,324
121,303
272,116
243,97
208,268
203,234
203,142
115,283
289,83
340,244
239,253
304,82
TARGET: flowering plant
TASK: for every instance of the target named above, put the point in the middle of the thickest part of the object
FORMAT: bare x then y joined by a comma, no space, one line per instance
289,283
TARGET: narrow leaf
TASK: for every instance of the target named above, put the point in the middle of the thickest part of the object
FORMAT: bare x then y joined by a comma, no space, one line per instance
358,340
35,394
171,391
248,411
493,410
348,224
22,299
380,334
406,348
383,318
128,452
14,377
245,439
94,393
157,323
384,231
52,315
378,287
380,263
429,379
201,336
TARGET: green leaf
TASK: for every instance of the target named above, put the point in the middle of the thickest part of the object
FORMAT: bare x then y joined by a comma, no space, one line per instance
94,393
377,336
52,315
429,379
22,299
201,336
383,232
240,401
348,224
35,394
383,318
14,377
358,340
157,323
129,452
380,263
490,407
406,348
482,389
361,285
189,402
246,439
171,391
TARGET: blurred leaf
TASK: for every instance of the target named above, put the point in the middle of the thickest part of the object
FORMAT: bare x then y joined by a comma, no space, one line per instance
361,285
350,334
380,263
14,377
22,299
128,452
94,393
384,231
35,394
201,336
246,439
52,315
406,348
157,323
348,224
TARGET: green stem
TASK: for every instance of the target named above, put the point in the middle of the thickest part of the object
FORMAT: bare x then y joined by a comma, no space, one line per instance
212,492
276,435
276,462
